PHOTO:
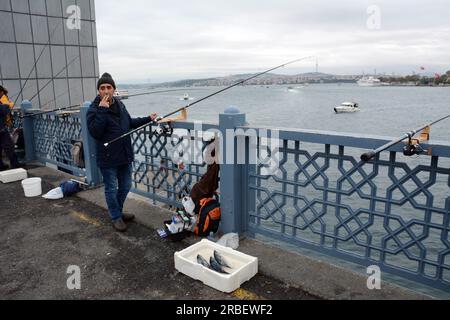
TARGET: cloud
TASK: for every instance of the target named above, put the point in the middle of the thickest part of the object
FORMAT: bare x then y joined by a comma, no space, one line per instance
173,39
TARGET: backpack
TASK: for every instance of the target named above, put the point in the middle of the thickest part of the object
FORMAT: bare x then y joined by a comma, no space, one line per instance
208,217
78,154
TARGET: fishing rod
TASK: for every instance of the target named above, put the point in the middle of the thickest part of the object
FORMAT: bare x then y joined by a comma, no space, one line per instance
413,146
49,111
35,63
55,76
204,98
56,98
152,92
77,105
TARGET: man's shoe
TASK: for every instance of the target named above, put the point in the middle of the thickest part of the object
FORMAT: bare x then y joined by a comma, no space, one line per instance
119,225
127,216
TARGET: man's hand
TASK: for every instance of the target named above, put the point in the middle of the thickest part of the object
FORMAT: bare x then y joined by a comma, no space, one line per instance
104,103
153,116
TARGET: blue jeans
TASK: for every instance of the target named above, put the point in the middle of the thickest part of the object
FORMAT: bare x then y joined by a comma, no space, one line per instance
117,182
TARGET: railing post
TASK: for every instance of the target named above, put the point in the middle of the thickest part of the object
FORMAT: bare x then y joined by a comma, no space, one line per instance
231,174
90,160
28,131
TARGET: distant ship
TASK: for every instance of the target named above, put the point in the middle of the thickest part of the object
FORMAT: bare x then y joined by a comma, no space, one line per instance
369,82
121,94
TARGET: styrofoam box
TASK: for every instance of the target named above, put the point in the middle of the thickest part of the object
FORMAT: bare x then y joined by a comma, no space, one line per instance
243,266
13,175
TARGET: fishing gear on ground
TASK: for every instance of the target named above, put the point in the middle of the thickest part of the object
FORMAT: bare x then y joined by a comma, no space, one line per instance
412,146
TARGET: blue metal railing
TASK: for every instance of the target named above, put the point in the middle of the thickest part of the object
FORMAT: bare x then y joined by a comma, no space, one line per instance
49,139
392,212
54,135
163,169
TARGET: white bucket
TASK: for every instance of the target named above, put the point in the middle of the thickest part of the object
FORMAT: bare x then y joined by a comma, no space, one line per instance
32,187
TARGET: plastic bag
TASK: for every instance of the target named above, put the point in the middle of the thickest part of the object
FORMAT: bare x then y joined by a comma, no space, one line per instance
188,205
54,194
229,240
69,188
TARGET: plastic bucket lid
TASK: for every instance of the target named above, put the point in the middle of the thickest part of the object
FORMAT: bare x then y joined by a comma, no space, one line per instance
32,187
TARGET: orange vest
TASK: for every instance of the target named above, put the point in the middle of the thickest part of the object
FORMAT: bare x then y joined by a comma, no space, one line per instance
4,100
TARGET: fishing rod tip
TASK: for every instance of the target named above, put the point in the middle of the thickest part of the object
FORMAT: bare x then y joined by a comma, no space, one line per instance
106,145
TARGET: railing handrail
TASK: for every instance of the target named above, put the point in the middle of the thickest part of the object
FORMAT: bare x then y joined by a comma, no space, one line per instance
348,139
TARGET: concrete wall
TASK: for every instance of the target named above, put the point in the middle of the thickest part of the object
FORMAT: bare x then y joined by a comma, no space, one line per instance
67,70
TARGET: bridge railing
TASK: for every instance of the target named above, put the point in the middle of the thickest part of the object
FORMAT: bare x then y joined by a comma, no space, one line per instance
167,166
49,139
300,187
393,212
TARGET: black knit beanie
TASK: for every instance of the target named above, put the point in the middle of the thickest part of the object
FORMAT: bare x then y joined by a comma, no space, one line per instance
106,78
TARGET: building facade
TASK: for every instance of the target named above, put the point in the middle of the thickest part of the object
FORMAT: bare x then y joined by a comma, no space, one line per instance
48,51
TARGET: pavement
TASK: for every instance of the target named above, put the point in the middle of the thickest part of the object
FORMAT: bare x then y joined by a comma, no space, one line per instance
40,239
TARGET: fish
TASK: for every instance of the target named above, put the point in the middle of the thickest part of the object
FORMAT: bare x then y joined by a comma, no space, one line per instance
203,261
216,266
220,259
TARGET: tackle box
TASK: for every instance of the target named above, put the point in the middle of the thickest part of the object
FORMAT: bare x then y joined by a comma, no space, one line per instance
13,175
243,266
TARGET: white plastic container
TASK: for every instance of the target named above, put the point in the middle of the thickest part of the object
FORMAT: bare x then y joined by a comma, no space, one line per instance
13,175
32,187
243,266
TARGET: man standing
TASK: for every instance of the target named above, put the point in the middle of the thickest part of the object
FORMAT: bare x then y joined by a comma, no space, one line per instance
6,142
108,119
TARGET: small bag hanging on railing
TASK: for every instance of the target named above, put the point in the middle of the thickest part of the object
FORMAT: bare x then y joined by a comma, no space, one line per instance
77,154
208,219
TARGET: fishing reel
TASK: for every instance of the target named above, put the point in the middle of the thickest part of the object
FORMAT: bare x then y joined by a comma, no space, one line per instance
413,146
413,149
163,128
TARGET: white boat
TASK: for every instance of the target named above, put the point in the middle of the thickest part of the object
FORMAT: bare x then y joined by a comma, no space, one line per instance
186,97
369,82
121,94
347,107
293,89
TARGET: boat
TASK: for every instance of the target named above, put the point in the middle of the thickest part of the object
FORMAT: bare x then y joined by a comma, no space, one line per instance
292,89
369,82
347,107
186,97
121,94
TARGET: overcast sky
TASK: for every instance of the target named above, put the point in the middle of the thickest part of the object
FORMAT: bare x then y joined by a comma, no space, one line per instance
161,40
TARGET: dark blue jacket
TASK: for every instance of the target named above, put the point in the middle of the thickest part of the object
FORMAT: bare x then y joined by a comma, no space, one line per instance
105,125
4,111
